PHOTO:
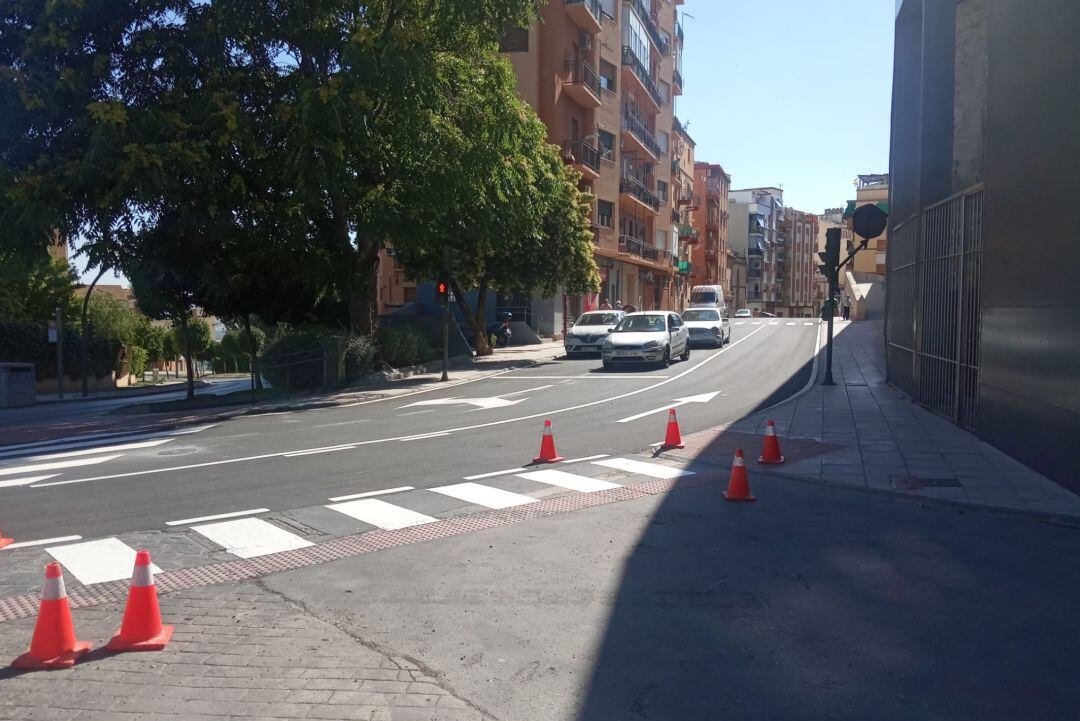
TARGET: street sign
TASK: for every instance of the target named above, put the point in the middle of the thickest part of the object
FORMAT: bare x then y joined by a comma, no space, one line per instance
869,221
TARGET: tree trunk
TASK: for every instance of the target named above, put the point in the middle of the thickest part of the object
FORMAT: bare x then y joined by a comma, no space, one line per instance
252,351
187,360
364,295
82,341
475,319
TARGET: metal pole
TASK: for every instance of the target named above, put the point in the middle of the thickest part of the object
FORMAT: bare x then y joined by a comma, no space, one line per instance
446,316
829,338
60,351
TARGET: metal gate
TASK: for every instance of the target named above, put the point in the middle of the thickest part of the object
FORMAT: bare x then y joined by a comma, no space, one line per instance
935,268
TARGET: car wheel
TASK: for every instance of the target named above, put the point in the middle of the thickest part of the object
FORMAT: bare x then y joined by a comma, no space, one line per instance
686,352
666,361
608,365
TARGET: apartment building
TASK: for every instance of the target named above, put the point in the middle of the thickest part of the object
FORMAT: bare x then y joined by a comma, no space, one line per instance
869,264
709,257
756,215
831,218
799,231
684,207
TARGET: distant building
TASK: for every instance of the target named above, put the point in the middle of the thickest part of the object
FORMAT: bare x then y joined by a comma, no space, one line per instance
709,256
871,261
684,210
756,215
797,297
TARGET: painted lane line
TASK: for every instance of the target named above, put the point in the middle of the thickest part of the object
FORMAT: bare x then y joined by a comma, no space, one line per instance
570,481
473,427
423,436
808,323
10,483
318,451
527,390
217,517
108,559
478,476
416,413
251,537
586,458
57,465
368,494
42,542
645,469
481,495
741,322
790,322
100,449
382,514
702,398
590,376
774,322
91,439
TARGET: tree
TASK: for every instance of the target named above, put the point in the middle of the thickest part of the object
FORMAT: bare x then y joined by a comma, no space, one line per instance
32,289
152,338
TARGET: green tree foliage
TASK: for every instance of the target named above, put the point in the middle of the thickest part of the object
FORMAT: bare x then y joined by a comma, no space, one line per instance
33,290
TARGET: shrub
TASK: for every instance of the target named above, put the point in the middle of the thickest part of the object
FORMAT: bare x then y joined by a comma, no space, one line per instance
29,343
402,347
360,352
294,358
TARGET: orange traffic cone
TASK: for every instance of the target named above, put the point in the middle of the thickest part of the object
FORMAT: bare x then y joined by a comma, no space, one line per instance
5,541
141,629
547,447
771,452
53,644
672,439
738,488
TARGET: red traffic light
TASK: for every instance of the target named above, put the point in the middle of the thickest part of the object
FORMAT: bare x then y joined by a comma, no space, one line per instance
442,288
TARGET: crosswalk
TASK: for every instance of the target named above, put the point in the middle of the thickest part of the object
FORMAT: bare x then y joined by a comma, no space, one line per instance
260,531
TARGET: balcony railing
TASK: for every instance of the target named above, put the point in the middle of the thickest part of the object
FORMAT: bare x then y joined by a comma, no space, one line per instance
631,60
585,75
595,8
679,31
583,153
638,247
640,131
636,188
650,25
677,77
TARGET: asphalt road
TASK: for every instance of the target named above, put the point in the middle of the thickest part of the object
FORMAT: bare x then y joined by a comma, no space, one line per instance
427,439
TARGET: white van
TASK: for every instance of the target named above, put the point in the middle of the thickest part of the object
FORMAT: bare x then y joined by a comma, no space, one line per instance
707,296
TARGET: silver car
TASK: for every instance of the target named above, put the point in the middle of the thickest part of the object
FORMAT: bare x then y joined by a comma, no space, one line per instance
590,331
652,336
708,326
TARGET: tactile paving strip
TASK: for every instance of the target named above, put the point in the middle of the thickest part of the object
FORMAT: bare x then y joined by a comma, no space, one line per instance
15,607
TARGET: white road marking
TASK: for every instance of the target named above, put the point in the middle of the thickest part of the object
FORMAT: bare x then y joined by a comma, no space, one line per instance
416,413
424,436
370,493
774,322
591,376
571,481
741,322
382,514
756,322
473,427
56,465
100,449
316,451
482,403
42,542
91,439
645,469
108,559
251,537
702,398
808,323
586,458
217,517
528,390
790,322
26,481
482,495
478,476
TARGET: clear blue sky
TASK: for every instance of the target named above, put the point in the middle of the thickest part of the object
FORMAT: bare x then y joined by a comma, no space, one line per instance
796,92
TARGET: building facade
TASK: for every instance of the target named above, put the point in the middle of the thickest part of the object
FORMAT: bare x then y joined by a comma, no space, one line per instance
684,207
709,256
797,298
981,320
869,264
756,234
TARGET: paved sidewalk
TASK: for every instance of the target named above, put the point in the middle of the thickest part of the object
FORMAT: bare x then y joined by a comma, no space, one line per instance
878,438
239,651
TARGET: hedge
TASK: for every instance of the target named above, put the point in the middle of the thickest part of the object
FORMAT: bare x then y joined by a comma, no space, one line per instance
25,342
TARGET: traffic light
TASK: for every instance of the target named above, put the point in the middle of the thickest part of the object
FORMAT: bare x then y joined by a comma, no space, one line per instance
830,257
442,288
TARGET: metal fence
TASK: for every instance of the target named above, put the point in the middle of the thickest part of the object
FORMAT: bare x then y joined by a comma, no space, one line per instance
934,274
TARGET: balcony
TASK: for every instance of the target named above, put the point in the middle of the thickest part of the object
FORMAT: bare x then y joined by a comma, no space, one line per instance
584,157
712,252
639,135
582,84
634,191
687,199
676,82
662,46
631,62
689,234
586,14
635,246
684,267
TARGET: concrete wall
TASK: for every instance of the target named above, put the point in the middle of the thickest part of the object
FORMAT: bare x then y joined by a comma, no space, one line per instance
972,68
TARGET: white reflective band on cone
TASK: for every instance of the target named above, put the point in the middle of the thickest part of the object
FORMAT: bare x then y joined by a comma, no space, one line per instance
53,590
143,576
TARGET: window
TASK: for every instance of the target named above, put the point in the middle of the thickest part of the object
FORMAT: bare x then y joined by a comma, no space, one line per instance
605,211
661,190
514,40
610,8
607,145
661,240
410,293
607,76
665,91
662,139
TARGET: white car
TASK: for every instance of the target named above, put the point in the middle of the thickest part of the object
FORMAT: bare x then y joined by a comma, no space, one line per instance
590,331
652,336
743,313
707,325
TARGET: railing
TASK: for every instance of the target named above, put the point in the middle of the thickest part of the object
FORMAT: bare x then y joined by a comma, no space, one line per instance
633,186
583,74
639,130
687,231
679,31
582,152
630,59
675,217
677,77
650,25
636,246
593,6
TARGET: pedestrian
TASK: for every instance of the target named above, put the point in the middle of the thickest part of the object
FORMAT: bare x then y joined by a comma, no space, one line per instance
628,308
845,307
618,305
605,305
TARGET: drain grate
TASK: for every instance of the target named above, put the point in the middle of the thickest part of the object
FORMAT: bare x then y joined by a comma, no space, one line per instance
915,483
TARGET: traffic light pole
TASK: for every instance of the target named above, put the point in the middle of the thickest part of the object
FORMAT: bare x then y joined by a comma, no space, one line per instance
828,381
446,317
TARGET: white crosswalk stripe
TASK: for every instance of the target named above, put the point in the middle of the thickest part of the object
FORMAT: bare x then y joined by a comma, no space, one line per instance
251,537
646,469
107,559
571,481
56,465
790,322
482,495
775,322
25,449
808,322
381,514
741,322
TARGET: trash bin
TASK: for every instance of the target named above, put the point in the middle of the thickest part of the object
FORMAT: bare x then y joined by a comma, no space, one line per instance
18,386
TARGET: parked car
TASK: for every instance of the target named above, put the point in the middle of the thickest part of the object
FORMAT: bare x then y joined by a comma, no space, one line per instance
743,313
707,326
766,314
651,336
588,332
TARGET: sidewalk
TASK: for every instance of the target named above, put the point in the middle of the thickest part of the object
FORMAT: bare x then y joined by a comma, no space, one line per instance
864,432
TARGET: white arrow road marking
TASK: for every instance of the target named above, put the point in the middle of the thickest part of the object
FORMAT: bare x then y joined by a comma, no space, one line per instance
42,542
99,449
57,464
485,403
702,398
11,482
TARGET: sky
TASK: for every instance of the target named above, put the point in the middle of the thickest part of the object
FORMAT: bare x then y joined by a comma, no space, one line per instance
785,92
790,92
